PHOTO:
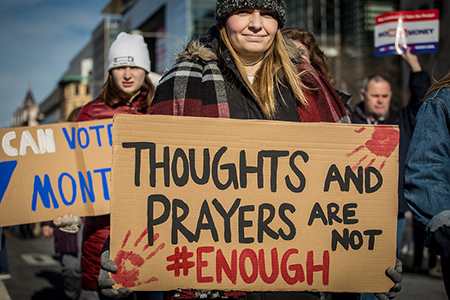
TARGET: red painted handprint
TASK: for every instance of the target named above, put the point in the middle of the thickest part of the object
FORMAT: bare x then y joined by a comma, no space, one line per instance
129,277
383,142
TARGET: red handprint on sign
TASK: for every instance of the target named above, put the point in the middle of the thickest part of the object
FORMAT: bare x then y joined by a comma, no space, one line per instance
129,276
383,142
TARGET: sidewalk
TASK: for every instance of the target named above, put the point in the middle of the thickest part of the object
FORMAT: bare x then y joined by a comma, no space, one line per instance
36,275
4,295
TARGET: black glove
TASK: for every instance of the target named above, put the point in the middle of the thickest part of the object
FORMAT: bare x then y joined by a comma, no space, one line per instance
104,281
396,276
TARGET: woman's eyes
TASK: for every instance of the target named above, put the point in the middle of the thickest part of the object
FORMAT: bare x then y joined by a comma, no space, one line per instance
244,12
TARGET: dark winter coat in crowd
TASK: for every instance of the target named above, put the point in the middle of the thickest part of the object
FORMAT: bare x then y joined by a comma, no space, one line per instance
419,82
97,229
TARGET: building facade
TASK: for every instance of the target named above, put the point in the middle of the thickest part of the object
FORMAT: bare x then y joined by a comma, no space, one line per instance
165,24
102,37
28,113
344,30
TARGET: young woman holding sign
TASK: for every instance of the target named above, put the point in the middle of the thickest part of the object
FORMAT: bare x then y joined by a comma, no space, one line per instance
242,69
128,90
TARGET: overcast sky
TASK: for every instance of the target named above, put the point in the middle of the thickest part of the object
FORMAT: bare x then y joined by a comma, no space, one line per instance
38,39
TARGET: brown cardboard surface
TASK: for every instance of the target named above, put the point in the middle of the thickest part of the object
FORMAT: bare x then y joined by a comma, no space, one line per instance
308,206
43,169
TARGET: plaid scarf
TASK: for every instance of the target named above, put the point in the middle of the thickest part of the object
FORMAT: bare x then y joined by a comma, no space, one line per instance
195,88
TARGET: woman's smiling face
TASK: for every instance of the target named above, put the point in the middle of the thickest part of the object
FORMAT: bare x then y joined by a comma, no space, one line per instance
251,31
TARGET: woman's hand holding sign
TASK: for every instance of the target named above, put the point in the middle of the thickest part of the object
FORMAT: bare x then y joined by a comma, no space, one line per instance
125,267
104,281
394,274
68,223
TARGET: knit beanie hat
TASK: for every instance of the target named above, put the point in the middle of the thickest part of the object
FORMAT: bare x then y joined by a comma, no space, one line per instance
225,7
129,50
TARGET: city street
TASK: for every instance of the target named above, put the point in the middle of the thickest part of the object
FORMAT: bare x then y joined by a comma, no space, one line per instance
36,275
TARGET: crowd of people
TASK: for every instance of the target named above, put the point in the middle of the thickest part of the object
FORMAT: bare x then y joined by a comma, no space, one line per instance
248,66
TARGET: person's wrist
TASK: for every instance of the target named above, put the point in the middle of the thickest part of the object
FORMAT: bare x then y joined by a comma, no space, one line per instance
416,68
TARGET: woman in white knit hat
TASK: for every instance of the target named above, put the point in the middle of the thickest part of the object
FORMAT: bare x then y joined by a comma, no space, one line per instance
242,69
128,90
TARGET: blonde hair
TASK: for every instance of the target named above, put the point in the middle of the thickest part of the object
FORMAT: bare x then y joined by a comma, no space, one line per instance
276,65
443,82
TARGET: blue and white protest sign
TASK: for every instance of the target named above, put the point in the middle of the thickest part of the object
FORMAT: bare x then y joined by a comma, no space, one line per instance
395,31
49,170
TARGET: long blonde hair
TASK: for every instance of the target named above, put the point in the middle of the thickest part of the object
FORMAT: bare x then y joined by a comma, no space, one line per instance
276,65
443,82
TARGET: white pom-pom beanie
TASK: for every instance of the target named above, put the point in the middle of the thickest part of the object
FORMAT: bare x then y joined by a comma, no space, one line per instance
129,50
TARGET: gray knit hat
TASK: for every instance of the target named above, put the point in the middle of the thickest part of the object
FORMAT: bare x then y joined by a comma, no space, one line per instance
225,7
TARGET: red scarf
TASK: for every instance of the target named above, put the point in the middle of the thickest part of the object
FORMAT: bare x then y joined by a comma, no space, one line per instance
324,104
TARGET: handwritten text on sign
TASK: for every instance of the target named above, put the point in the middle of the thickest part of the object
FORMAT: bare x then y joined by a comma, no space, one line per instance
252,208
51,169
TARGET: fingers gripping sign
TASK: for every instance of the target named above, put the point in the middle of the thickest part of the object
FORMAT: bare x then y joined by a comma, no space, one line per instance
384,140
68,223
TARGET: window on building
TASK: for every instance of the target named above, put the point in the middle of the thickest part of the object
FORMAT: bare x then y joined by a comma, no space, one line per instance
374,9
202,16
297,14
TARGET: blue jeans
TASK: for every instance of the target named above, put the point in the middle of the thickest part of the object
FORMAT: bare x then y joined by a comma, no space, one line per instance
400,227
368,297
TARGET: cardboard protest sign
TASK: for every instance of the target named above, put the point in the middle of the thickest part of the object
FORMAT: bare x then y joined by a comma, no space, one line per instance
395,31
49,170
252,205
